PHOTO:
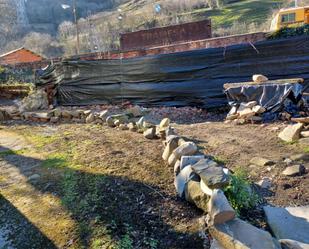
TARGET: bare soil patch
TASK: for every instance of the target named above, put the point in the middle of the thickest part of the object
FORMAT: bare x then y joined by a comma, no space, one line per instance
236,145
99,187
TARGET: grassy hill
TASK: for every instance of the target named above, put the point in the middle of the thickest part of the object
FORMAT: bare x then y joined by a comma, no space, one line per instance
235,17
100,31
243,11
249,11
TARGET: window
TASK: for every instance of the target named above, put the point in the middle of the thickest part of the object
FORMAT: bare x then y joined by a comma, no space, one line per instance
286,18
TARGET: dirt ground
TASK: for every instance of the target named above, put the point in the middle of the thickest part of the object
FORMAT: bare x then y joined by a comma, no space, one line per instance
90,186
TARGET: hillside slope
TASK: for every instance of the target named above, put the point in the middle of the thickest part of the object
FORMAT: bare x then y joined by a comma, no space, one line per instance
101,31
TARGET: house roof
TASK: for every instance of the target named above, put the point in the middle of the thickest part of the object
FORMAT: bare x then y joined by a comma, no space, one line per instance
19,49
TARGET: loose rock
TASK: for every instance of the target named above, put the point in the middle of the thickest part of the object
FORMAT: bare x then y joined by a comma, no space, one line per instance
238,234
195,195
186,149
265,183
219,209
139,123
177,167
117,122
172,144
300,157
150,133
190,160
258,109
123,127
292,244
34,177
246,113
103,115
110,121
132,127
260,161
304,133
164,124
294,170
90,118
291,133
289,223
181,180
211,174
259,78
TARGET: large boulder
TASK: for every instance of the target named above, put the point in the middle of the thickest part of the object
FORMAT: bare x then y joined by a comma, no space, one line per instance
246,113
103,115
211,174
171,145
36,100
292,244
219,208
289,223
140,123
195,195
186,149
182,179
291,133
238,234
258,109
150,133
90,118
190,160
294,170
164,124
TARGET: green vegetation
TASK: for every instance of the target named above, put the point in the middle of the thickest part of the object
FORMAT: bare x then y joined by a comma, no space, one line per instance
290,32
95,202
239,192
306,149
11,152
219,160
248,11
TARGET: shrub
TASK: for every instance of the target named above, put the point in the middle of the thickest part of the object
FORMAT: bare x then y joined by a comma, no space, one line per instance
239,192
290,32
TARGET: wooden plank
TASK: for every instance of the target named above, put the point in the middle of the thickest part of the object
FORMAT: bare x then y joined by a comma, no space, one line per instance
270,82
304,120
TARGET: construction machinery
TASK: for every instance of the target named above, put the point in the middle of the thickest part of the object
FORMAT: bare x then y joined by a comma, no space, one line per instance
290,17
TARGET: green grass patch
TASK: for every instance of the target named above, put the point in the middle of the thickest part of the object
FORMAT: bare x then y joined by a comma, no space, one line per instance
40,141
12,152
219,160
306,149
250,11
56,160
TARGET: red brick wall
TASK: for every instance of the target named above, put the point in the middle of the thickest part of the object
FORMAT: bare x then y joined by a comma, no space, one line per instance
181,47
20,56
166,35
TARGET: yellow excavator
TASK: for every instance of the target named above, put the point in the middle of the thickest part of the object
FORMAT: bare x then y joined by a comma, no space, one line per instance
290,17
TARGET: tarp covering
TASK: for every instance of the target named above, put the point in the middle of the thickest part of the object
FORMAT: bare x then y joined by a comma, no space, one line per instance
270,96
178,79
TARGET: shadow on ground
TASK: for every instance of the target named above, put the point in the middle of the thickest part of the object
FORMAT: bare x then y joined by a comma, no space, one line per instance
19,229
123,211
